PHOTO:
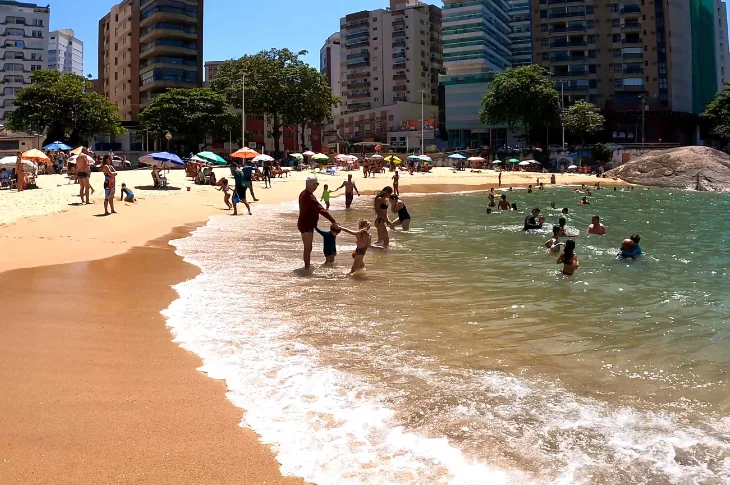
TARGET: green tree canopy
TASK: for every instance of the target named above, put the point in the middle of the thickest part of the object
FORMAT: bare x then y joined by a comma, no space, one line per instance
522,96
279,85
717,111
190,115
62,106
583,119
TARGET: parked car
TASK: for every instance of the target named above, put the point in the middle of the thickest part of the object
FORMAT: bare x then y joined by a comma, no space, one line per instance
120,163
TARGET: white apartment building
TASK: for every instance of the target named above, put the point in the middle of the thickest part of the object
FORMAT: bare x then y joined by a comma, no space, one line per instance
65,52
330,67
24,34
389,57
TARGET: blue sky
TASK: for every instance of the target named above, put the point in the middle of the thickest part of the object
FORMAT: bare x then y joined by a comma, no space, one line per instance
232,27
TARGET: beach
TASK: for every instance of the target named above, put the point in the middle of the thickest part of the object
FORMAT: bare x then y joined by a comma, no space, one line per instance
95,389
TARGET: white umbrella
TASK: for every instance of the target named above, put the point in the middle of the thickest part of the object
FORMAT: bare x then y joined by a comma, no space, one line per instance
9,163
524,163
263,158
476,159
309,154
571,167
496,162
196,158
531,161
375,156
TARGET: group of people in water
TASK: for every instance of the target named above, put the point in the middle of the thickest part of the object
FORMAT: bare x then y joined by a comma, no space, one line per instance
387,201
310,210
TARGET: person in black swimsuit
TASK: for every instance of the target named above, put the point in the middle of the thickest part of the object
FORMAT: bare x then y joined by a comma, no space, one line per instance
398,207
267,175
381,213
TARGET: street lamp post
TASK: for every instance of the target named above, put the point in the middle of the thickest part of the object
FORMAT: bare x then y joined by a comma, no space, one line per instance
168,137
643,120
562,109
423,151
243,110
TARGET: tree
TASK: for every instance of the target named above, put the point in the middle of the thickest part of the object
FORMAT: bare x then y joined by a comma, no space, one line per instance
522,96
63,106
583,119
717,111
311,99
279,85
189,115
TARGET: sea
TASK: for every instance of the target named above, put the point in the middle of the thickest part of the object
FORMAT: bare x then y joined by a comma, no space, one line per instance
462,355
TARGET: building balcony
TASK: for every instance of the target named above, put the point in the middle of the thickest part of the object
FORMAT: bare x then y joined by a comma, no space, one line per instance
574,73
399,33
162,49
399,55
358,63
399,43
631,26
356,75
160,17
631,41
357,85
154,33
357,55
635,56
632,88
566,15
357,94
400,88
357,24
567,43
561,2
569,28
400,98
357,35
358,106
397,77
158,85
566,58
399,22
574,88
399,65
359,43
634,69
630,8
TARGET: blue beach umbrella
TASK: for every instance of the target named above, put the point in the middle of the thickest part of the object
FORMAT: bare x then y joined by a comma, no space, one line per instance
457,156
57,145
161,159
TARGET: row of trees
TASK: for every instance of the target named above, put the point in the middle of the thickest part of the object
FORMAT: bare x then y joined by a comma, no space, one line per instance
524,97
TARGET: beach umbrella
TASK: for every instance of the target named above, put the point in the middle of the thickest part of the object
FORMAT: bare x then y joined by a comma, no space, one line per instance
477,159
297,156
497,162
211,157
263,158
245,153
513,160
414,158
9,163
572,167
57,145
77,150
524,163
320,157
309,154
535,162
457,156
425,158
161,159
376,156
197,159
394,159
35,155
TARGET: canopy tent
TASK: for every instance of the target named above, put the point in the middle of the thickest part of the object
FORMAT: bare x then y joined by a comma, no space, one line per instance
162,160
394,159
245,153
425,158
572,167
457,156
531,162
376,156
211,157
57,145
414,158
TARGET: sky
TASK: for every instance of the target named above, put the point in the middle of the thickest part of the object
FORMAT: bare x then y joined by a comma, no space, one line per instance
232,28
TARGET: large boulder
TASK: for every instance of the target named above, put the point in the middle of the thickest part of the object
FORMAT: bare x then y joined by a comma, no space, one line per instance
700,168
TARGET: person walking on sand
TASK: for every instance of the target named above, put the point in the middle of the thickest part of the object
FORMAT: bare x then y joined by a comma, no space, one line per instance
596,228
83,171
267,175
350,187
248,169
396,178
240,193
110,177
309,211
500,179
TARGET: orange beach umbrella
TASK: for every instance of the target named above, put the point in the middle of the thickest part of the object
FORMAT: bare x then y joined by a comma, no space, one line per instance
245,153
78,150
36,156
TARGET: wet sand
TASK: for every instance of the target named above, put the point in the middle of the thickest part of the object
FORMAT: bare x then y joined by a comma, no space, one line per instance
95,391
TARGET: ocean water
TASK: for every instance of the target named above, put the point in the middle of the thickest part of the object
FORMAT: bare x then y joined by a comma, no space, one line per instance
462,355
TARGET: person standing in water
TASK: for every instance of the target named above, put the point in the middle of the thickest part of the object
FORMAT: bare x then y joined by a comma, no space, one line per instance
380,205
596,228
309,211
326,196
531,221
554,244
503,203
398,207
569,259
350,187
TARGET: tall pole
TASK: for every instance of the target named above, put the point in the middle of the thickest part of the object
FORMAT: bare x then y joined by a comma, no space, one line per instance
562,110
422,128
643,120
243,111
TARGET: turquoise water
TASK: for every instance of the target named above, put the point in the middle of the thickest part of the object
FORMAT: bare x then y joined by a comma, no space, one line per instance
462,355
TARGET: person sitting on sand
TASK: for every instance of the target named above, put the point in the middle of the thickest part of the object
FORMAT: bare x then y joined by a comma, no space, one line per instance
531,221
596,228
554,244
584,201
329,242
503,203
568,258
226,189
630,248
127,195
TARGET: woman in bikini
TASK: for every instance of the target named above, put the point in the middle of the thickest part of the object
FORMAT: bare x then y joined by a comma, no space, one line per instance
110,176
396,178
568,259
381,213
398,207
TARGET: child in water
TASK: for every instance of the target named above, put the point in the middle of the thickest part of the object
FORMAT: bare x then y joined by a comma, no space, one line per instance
326,196
329,244
568,259
630,248
554,243
364,240
226,188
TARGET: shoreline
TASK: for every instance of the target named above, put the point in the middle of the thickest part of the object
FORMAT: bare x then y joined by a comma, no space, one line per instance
96,391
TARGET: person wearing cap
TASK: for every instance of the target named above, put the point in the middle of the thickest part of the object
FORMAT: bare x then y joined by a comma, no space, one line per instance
309,211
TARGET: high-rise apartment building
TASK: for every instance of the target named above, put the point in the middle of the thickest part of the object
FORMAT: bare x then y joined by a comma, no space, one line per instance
65,52
478,40
633,57
330,67
24,48
211,70
147,47
388,56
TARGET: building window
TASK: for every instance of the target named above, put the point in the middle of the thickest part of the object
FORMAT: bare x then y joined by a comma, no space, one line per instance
543,28
544,42
38,34
591,24
617,53
589,10
592,54
614,7
662,68
591,69
616,23
617,68
592,84
591,39
616,38
545,56
618,83
543,14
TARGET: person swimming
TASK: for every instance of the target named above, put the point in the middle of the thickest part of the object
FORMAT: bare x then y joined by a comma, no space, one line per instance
568,258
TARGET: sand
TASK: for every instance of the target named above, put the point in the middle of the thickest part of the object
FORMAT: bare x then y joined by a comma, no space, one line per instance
93,388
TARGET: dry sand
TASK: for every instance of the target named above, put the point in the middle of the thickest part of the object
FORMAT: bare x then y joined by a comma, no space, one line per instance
93,388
